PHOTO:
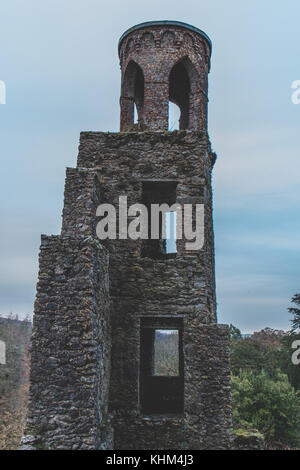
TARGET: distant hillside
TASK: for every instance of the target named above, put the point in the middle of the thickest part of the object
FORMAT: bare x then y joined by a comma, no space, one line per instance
166,359
14,379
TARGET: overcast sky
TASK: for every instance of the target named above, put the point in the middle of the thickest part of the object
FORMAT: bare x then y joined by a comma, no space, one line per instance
60,65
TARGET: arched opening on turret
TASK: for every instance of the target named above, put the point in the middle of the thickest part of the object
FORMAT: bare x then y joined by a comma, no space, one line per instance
132,97
183,81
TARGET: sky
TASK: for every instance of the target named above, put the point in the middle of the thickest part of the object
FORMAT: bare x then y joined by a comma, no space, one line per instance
60,65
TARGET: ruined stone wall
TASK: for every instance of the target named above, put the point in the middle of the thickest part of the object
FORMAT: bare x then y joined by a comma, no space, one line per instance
80,395
183,287
207,383
72,382
70,366
244,440
207,420
80,202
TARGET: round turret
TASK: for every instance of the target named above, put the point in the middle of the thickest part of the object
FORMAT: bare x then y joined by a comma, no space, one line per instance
164,61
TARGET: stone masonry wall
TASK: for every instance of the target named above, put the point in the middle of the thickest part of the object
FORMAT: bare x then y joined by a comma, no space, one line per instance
70,366
80,202
85,383
207,421
183,287
207,383
72,382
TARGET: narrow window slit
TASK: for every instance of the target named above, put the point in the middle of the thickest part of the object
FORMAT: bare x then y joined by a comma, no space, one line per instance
161,242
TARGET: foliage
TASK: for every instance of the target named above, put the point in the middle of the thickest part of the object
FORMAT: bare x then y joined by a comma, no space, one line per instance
269,337
268,350
296,312
234,333
252,355
246,355
266,386
284,359
270,405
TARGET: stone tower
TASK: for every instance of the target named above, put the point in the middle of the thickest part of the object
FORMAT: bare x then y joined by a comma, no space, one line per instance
105,309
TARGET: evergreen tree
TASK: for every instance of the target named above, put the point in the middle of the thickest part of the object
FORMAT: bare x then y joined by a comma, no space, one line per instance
296,312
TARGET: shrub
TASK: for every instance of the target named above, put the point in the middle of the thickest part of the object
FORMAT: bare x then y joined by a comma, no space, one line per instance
271,405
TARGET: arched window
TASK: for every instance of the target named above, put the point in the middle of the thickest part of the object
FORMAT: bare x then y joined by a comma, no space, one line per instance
132,94
183,81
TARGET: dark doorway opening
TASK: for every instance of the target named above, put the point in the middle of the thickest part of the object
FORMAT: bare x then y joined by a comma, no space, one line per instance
161,366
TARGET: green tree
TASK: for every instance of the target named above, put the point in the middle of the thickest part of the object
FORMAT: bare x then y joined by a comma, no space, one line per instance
246,355
272,406
285,359
234,333
263,351
296,312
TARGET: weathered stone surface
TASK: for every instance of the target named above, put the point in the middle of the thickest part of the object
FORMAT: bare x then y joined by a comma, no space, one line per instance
81,200
244,440
70,346
73,384
154,51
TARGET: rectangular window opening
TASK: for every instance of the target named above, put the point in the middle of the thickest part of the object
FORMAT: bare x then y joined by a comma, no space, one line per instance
160,192
161,366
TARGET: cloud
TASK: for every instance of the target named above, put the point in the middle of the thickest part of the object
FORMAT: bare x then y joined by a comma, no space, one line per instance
61,69
253,165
